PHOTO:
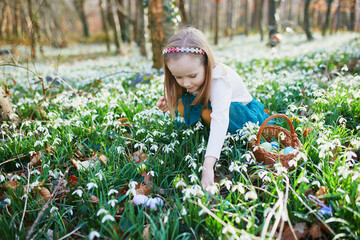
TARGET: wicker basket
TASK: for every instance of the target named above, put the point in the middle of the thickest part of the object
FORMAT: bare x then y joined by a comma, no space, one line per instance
270,132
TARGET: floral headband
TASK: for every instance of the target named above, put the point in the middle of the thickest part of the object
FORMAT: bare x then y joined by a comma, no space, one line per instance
182,49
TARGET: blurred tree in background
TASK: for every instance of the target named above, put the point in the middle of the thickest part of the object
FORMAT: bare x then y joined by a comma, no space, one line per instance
122,22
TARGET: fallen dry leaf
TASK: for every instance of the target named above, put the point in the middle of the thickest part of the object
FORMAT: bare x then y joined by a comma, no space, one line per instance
139,156
142,189
103,159
12,184
73,180
45,193
300,229
315,230
35,159
322,191
146,232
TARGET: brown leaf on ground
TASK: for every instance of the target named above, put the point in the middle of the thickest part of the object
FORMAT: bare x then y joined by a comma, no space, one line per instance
45,193
147,178
12,184
73,180
146,232
301,230
142,189
315,230
94,200
322,191
139,156
35,159
103,159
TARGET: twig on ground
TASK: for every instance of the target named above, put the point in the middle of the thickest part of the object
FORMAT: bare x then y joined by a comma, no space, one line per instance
70,233
14,158
46,205
27,196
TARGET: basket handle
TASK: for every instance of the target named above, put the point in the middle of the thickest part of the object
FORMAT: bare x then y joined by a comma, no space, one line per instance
292,131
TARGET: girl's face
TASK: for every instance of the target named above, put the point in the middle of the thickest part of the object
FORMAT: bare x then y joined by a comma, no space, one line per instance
188,71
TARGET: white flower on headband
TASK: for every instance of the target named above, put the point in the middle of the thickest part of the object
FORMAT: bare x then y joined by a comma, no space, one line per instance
182,49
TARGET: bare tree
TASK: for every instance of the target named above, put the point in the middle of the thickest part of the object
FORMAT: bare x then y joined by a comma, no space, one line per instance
271,18
141,28
327,17
246,17
33,30
184,20
261,5
124,25
104,25
160,30
352,15
229,18
216,37
113,25
79,5
306,20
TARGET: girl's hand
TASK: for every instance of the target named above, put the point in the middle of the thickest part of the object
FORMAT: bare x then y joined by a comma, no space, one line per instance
207,179
162,105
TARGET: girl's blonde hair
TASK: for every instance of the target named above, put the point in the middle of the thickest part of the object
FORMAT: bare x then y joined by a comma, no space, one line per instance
188,38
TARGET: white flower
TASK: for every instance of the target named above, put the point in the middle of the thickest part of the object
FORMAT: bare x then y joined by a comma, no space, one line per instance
193,178
303,179
108,217
112,202
183,211
91,185
100,175
250,195
24,196
2,178
152,173
212,189
132,186
239,186
112,191
226,182
94,234
78,192
7,201
180,183
53,209
101,211
201,212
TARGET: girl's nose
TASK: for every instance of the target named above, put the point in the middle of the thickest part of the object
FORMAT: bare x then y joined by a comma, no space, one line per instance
187,83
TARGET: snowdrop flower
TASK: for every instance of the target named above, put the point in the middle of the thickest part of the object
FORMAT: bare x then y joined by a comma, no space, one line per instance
79,192
2,178
91,185
7,201
180,183
112,191
53,209
152,173
183,212
212,189
234,167
108,217
250,195
201,212
226,182
24,196
94,234
16,177
154,147
317,183
239,186
101,211
303,179
193,178
100,175
35,171
132,186
112,202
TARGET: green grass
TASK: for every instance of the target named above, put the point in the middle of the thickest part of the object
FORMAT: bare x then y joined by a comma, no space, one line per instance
314,90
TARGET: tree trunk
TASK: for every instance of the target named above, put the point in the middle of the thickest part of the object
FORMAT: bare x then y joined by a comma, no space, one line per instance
306,20
124,24
17,19
271,18
229,18
113,26
79,5
246,17
327,17
141,21
6,107
254,15
160,30
352,15
216,37
290,10
181,7
32,30
260,20
104,25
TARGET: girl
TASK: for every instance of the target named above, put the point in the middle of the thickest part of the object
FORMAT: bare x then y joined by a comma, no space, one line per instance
198,87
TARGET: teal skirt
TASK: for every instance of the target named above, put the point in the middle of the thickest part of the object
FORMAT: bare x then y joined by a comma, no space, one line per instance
239,114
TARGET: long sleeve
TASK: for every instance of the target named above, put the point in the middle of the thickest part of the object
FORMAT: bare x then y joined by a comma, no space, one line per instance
220,98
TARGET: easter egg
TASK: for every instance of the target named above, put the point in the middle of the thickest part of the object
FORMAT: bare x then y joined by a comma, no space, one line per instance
288,150
274,144
267,146
140,199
